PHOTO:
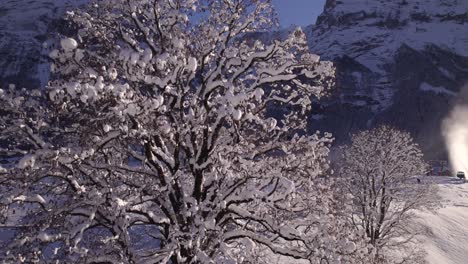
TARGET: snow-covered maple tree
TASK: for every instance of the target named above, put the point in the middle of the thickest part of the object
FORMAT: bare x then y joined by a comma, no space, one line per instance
380,170
169,134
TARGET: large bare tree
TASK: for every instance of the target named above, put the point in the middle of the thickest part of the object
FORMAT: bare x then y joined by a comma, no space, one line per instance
379,171
156,142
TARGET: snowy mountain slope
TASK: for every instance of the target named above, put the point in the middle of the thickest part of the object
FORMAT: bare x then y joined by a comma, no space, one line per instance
371,29
394,58
371,32
25,26
446,238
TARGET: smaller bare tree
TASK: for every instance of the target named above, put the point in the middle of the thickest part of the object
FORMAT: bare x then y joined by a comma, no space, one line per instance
379,169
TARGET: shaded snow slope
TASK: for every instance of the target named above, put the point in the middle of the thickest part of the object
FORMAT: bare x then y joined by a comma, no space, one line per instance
446,238
24,27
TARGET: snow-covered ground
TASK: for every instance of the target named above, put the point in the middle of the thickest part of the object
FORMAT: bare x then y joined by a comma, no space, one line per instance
446,236
445,231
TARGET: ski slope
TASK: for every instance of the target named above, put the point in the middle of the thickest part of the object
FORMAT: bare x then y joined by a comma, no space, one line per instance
445,239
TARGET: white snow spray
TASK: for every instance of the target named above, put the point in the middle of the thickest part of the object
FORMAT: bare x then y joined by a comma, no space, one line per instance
455,132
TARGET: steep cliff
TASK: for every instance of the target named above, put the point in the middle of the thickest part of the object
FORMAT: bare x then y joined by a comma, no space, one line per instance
400,62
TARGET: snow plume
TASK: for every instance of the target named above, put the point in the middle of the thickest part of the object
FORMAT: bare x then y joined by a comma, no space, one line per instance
455,132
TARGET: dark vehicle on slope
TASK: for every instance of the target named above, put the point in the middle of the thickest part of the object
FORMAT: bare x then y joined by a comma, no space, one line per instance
461,175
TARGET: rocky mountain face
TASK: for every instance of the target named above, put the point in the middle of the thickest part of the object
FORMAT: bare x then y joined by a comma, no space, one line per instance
399,62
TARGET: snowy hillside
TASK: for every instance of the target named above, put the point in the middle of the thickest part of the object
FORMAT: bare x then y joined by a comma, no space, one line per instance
446,237
25,26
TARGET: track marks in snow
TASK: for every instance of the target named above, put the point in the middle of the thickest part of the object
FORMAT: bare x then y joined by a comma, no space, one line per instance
446,236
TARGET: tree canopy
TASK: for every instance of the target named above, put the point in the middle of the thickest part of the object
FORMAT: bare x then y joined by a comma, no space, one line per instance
156,141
